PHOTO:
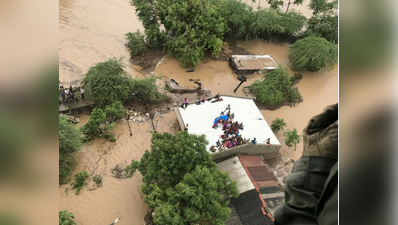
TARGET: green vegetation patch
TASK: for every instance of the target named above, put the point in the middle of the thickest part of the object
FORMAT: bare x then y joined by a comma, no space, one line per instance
80,179
313,53
275,88
66,218
182,183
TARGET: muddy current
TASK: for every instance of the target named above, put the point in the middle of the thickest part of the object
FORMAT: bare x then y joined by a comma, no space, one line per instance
93,31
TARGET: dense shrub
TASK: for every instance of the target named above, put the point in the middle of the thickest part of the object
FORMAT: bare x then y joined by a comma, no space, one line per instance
80,179
292,138
116,110
108,82
69,142
275,88
271,23
182,183
277,125
325,26
136,43
313,53
66,218
146,90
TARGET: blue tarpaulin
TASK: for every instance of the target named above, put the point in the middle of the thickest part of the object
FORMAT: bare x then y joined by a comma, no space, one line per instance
224,117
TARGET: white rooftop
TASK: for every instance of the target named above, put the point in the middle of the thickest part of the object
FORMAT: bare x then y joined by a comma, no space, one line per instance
200,120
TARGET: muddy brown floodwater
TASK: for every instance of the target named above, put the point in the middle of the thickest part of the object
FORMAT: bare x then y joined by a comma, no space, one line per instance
118,197
93,31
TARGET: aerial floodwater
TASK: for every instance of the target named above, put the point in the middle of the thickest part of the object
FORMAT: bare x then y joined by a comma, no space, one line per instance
94,31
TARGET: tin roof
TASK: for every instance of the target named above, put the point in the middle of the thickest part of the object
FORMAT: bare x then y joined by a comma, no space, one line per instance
253,62
258,171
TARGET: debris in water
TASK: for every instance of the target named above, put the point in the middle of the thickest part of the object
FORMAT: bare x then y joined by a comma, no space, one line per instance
115,221
190,71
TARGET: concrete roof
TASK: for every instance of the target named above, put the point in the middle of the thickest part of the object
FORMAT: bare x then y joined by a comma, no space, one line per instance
200,119
236,173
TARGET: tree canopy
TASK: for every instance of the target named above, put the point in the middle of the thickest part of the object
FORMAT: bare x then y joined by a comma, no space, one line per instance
277,125
182,183
292,138
69,142
108,82
275,88
313,53
195,26
136,43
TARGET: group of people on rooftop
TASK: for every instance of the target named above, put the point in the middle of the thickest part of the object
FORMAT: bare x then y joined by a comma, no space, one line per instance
231,136
67,95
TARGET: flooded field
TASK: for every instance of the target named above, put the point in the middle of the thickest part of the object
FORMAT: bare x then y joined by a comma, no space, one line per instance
93,31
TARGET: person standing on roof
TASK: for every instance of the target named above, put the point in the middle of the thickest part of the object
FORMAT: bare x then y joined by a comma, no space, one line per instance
185,103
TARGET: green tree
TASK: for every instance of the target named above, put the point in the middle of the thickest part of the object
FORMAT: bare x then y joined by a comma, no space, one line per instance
275,88
66,218
69,142
136,43
269,23
239,16
116,110
292,138
182,183
108,82
146,90
146,12
196,26
92,127
313,53
325,26
296,2
277,125
323,6
275,4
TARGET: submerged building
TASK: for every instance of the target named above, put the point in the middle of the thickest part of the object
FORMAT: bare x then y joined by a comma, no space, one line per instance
200,119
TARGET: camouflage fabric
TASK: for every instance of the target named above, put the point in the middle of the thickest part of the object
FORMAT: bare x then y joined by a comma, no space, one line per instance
311,190
320,137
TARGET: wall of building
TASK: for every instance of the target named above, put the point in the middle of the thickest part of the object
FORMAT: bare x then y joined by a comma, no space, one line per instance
267,151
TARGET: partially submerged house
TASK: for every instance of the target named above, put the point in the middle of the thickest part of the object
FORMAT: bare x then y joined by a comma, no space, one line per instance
200,119
249,64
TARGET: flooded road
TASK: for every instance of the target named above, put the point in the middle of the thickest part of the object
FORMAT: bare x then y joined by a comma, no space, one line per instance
91,32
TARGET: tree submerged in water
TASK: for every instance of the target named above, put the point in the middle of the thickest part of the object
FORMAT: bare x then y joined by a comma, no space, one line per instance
313,53
182,183
292,138
275,88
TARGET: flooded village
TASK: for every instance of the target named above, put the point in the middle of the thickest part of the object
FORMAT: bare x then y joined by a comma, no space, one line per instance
94,31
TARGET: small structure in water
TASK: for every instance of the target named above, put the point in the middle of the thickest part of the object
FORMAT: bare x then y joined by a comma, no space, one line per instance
249,64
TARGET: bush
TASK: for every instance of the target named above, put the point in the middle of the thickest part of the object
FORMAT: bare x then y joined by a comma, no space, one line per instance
277,125
313,53
243,23
98,180
146,90
69,142
271,23
79,181
326,26
116,110
292,138
92,127
66,218
275,88
136,43
107,82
